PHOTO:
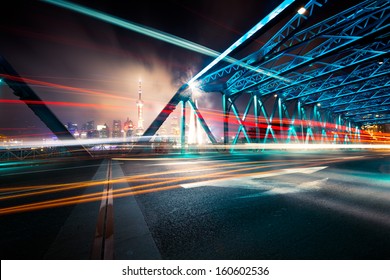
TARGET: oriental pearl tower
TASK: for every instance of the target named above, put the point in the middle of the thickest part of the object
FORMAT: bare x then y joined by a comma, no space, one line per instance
140,104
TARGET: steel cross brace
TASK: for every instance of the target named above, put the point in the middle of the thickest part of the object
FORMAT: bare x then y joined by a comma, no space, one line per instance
368,26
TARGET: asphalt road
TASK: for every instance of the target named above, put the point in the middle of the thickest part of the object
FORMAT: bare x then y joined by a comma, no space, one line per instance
273,205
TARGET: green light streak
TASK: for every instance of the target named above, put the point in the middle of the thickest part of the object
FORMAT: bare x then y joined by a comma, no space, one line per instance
245,37
171,39
175,40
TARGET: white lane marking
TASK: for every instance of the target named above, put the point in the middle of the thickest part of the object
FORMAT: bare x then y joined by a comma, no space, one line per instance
308,170
354,157
288,188
143,159
182,163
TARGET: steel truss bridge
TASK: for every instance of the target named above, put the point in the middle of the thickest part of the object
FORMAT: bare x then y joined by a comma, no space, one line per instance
318,78
321,75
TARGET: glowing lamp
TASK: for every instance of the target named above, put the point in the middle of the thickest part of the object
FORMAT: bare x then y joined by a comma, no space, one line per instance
301,11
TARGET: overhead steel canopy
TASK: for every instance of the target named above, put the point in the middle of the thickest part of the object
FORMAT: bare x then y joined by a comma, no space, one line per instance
333,56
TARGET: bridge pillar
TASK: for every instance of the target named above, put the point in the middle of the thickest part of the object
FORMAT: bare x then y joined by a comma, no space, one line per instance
256,115
183,126
225,108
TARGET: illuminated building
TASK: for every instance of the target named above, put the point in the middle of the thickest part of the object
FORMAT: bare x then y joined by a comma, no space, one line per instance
128,128
116,129
103,131
175,126
73,128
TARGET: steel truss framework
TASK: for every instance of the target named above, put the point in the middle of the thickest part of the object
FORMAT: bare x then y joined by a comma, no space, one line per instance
288,122
330,75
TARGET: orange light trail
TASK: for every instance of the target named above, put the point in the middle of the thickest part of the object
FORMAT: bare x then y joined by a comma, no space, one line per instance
131,190
53,188
64,87
62,103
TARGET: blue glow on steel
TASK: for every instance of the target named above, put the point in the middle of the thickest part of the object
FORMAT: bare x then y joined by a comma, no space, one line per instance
245,37
177,40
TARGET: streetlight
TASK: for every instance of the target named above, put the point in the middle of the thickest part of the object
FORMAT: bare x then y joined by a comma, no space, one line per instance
301,11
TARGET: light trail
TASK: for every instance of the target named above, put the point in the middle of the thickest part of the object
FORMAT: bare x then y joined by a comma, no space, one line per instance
134,190
75,200
162,36
63,104
64,87
245,37
177,41
54,188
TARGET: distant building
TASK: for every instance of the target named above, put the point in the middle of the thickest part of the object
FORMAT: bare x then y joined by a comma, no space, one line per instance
88,126
73,129
103,130
163,133
116,129
175,130
92,134
128,128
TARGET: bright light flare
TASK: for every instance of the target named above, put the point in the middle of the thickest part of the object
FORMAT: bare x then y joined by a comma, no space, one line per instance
302,10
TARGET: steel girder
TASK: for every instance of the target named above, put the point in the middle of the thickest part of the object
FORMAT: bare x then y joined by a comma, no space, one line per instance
183,95
290,122
359,81
318,76
381,119
38,106
316,48
293,25
341,62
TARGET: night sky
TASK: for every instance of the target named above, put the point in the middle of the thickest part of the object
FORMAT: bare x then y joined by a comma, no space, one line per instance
103,63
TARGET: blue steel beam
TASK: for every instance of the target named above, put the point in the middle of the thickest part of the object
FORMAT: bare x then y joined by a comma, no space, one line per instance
373,24
283,33
360,80
349,95
372,105
26,94
315,75
379,110
245,37
380,120
286,35
178,96
372,96
181,95
172,39
364,107
339,20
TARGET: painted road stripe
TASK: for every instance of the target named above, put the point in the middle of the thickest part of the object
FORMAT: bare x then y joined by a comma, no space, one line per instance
103,244
184,162
74,238
307,170
133,239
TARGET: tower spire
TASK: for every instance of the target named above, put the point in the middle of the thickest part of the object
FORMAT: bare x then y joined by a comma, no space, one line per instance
139,89
140,104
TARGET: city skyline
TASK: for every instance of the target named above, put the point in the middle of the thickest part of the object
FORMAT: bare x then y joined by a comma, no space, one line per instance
84,74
